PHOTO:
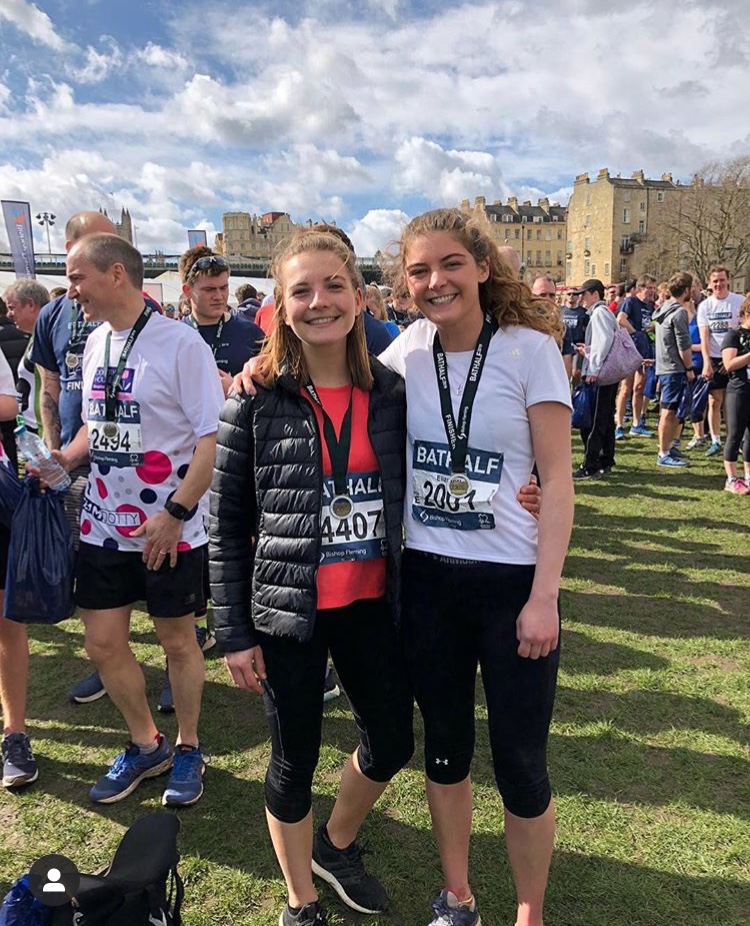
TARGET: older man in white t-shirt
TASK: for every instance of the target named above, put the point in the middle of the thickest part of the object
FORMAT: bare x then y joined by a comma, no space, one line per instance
717,314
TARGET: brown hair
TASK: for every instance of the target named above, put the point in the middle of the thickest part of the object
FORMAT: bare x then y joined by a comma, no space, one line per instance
718,269
104,251
745,308
501,294
282,352
644,280
679,283
377,302
191,256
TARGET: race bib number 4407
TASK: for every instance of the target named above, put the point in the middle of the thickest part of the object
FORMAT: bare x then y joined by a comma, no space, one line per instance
360,535
435,506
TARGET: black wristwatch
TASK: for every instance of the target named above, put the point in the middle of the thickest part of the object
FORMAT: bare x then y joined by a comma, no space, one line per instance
178,511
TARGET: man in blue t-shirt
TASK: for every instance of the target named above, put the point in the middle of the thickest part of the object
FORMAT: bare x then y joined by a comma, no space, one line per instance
634,315
232,338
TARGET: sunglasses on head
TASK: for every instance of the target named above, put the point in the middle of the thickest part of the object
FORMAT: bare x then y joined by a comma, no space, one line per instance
208,263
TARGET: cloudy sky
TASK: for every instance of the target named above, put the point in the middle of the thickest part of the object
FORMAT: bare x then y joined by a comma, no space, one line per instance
364,112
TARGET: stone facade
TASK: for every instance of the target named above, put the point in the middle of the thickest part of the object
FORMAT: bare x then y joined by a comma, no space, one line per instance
536,233
609,220
124,226
253,236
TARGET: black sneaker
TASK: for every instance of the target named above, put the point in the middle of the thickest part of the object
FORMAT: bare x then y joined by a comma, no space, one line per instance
312,914
330,690
19,764
344,870
583,473
87,690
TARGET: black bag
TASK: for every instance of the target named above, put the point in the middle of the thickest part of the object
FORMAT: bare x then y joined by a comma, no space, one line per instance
140,888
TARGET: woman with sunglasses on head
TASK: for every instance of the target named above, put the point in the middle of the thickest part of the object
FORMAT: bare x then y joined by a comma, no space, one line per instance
487,397
312,466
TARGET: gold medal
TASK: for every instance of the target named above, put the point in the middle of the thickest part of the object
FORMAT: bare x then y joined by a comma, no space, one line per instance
71,360
341,507
109,430
459,485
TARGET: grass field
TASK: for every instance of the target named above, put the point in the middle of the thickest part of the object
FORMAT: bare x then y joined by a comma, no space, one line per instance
648,752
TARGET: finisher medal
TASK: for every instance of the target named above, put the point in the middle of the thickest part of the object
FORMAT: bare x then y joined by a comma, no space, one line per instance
459,485
71,361
109,430
341,507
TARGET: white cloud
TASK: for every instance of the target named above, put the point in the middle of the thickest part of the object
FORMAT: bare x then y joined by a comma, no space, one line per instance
156,56
98,65
34,22
446,175
376,230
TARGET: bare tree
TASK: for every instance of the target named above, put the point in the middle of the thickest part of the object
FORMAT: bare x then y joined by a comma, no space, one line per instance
704,223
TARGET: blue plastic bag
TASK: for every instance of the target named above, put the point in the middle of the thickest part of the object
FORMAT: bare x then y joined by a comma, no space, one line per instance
10,494
41,559
21,909
649,386
584,405
701,388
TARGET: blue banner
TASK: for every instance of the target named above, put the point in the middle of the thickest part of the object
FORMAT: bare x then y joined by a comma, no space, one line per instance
18,224
197,236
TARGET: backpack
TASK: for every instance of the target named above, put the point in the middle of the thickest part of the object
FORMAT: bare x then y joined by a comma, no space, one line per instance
141,887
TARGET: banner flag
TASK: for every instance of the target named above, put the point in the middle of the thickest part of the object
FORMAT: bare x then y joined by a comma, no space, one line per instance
197,236
18,224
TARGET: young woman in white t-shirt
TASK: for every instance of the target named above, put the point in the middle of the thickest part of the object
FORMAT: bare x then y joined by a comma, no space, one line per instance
481,575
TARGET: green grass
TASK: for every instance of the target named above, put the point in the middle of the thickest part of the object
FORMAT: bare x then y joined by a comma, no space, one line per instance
648,753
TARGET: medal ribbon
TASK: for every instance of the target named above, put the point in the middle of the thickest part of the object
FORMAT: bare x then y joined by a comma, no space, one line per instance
78,325
458,434
338,448
111,388
217,337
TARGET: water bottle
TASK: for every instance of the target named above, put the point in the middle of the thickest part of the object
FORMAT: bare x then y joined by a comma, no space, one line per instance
36,452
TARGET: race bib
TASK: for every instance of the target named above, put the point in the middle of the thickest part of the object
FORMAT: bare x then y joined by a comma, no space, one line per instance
361,534
720,320
119,442
435,506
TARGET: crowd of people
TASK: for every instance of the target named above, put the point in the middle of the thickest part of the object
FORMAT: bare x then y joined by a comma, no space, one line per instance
347,473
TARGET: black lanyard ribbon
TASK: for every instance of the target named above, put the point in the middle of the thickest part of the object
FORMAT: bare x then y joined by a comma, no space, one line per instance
112,387
338,448
458,434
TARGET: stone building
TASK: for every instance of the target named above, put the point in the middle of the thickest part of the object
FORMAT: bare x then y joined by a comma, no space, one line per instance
124,226
609,219
536,233
253,236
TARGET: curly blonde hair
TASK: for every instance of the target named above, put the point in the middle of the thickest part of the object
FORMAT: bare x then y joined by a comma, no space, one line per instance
282,351
501,294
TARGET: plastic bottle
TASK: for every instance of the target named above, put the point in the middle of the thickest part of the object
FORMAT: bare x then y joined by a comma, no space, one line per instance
36,452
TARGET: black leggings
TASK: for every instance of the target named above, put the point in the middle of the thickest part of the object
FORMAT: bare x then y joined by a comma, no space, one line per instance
458,616
367,653
737,412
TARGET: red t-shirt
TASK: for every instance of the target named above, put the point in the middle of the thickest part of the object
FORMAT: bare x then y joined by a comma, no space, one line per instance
264,318
353,553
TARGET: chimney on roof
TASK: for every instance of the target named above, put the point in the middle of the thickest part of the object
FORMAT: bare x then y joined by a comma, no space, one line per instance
544,205
582,178
603,174
639,176
480,202
667,178
465,205
513,203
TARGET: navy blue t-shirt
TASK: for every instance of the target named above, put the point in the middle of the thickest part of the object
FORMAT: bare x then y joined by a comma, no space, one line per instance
378,337
638,313
576,321
239,341
59,339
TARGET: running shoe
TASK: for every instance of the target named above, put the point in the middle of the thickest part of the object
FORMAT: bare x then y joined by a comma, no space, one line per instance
669,460
206,639
620,433
312,914
447,911
19,764
583,473
697,442
331,689
128,771
737,486
641,431
714,448
88,689
678,454
344,870
185,785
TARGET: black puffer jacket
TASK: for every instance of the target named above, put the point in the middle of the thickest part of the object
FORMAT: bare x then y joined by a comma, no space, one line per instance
268,483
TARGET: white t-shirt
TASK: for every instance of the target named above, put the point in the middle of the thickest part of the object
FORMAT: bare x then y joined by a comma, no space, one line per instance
522,368
7,387
29,390
169,398
719,315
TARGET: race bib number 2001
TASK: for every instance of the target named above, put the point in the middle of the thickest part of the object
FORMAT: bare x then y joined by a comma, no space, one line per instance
361,535
435,506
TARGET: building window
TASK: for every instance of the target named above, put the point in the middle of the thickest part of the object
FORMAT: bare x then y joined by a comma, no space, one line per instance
641,226
528,234
548,257
588,220
623,265
559,234
626,216
587,244
606,271
507,233
625,241
517,233
593,270
660,196
538,234
587,268
539,258
626,196
643,207
588,199
548,235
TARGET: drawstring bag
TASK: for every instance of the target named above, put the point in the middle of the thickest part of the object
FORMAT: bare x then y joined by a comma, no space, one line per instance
41,559
584,405
699,401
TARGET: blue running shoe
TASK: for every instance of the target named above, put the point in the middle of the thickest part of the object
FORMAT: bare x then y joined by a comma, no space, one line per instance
88,689
447,911
671,461
19,764
128,771
185,784
620,433
714,448
641,431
